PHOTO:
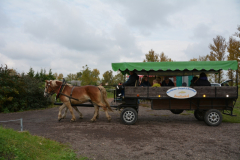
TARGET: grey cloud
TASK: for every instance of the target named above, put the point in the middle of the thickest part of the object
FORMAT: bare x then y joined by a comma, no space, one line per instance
151,14
202,32
197,49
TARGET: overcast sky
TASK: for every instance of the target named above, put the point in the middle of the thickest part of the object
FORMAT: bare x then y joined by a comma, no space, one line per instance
66,35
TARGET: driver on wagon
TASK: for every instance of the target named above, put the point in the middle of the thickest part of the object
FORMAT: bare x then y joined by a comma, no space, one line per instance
132,79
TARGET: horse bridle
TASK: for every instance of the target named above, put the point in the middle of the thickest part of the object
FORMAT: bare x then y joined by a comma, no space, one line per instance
51,92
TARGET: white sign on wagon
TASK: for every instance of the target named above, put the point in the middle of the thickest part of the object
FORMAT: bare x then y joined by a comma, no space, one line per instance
181,92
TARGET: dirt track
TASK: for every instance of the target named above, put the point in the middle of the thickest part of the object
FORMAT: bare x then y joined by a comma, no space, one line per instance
156,135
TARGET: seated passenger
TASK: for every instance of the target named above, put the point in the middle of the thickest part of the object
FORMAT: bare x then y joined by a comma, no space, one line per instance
193,81
167,82
159,80
131,80
155,83
203,81
145,82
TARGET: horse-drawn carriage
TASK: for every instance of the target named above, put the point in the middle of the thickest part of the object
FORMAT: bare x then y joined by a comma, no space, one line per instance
206,101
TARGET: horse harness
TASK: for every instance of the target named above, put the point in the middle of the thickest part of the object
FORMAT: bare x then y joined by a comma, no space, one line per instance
62,88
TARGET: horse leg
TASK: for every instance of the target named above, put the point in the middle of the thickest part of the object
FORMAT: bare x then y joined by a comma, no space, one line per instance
65,112
105,110
68,104
76,109
60,112
96,110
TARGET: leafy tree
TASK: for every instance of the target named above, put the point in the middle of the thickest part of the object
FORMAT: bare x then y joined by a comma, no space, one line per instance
194,59
31,72
234,52
71,77
164,58
151,57
108,78
37,76
60,76
55,75
218,53
95,77
50,75
79,75
89,77
119,77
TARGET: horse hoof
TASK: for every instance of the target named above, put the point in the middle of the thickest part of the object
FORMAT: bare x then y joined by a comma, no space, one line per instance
59,119
80,117
93,120
73,120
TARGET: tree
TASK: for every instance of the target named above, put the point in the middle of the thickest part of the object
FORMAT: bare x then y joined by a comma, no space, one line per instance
234,51
79,75
107,78
31,72
89,77
55,75
194,59
151,57
37,76
60,76
218,53
95,77
119,77
71,77
50,75
164,58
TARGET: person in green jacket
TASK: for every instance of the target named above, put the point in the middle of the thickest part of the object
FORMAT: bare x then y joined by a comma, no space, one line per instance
155,83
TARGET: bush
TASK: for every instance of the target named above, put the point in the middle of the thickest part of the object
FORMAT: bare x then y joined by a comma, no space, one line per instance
20,93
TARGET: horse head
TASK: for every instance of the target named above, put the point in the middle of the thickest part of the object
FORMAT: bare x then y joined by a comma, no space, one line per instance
51,87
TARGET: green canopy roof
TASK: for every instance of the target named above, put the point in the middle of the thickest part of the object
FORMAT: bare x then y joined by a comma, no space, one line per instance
170,67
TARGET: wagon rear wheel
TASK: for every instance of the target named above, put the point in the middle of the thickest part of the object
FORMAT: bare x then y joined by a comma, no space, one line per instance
199,114
129,116
213,117
176,111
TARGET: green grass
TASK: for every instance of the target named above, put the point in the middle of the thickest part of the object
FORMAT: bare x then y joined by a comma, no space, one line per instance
23,146
233,119
110,95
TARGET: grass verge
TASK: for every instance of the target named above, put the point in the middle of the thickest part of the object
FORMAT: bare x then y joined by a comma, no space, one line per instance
15,145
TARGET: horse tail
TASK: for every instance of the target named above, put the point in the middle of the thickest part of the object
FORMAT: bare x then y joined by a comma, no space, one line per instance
104,97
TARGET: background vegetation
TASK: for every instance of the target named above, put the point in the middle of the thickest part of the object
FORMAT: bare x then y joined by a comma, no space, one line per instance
18,93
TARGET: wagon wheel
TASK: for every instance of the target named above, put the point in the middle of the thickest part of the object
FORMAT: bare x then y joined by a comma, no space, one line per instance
199,114
176,111
129,116
213,117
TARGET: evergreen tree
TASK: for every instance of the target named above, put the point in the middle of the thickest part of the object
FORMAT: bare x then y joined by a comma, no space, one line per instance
31,72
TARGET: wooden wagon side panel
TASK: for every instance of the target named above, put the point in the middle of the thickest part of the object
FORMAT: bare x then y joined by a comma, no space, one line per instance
226,91
208,91
191,103
133,91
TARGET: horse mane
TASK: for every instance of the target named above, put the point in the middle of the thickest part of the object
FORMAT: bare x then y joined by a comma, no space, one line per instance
54,83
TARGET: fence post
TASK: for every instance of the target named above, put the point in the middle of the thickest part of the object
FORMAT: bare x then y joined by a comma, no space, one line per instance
21,124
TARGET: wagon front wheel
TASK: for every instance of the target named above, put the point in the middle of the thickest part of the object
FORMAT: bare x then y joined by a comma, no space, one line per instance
129,116
213,117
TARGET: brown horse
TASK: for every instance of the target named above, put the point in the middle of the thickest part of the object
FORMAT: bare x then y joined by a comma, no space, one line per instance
77,95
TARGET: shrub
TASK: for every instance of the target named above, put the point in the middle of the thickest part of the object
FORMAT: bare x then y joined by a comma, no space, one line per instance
20,93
